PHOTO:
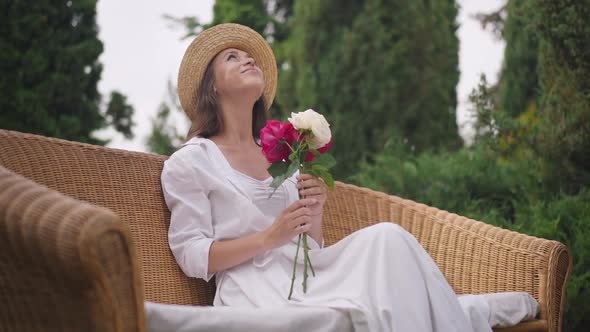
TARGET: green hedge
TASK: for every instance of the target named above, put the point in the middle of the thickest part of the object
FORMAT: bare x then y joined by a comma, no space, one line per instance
479,183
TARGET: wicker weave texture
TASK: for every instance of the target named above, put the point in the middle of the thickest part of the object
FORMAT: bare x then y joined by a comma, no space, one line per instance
126,182
65,265
475,257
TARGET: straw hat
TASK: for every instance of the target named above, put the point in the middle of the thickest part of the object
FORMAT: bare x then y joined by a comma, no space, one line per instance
214,40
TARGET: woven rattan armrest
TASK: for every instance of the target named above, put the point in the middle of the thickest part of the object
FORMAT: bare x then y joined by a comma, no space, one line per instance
474,256
65,264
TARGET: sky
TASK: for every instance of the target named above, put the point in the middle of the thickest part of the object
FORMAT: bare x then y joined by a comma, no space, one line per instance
142,52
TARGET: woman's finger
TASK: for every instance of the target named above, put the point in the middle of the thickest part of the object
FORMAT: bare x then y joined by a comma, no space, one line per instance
300,203
310,183
312,191
304,211
304,176
294,223
303,228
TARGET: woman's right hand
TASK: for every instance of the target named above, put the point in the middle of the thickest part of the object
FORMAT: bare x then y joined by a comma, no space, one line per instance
294,220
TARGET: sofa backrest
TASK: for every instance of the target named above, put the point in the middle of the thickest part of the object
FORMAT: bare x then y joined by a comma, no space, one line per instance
124,181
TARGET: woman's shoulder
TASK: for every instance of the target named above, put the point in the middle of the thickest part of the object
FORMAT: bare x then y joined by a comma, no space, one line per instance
194,152
195,147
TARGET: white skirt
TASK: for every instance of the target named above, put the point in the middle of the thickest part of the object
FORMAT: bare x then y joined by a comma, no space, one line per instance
380,275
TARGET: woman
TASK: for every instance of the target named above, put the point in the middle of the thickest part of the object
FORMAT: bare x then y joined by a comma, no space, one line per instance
223,223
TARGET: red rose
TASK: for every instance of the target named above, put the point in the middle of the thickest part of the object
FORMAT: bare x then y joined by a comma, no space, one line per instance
310,156
290,134
273,137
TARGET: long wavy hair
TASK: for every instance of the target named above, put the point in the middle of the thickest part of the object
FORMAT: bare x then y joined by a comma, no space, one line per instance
208,120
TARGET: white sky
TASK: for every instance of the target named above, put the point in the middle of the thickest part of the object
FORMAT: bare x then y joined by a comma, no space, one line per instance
141,53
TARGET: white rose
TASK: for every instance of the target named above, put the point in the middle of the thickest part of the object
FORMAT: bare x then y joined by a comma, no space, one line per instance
312,120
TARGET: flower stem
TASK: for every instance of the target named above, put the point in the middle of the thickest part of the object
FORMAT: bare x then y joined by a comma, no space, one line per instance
309,262
305,260
294,266
289,145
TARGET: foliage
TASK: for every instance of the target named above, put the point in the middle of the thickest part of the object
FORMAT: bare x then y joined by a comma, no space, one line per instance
518,86
496,21
470,180
120,114
49,61
375,68
251,13
563,134
543,99
529,167
566,218
478,182
164,138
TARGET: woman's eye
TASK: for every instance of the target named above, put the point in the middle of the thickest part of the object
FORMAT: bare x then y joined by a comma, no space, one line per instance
231,56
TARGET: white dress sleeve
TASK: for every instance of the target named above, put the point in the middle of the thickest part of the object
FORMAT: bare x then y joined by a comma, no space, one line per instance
191,230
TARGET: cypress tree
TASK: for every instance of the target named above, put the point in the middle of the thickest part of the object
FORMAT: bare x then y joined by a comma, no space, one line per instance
376,68
49,62
563,135
519,83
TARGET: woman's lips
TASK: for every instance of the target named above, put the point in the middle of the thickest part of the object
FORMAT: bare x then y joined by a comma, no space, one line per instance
250,69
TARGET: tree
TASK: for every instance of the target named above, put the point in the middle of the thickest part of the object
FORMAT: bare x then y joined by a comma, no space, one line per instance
119,113
518,87
563,134
542,122
543,99
164,137
49,61
375,68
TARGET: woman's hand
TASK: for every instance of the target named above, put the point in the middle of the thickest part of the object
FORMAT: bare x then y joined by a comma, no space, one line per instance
292,221
310,186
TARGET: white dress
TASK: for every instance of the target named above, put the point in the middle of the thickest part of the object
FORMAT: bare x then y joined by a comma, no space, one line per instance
380,275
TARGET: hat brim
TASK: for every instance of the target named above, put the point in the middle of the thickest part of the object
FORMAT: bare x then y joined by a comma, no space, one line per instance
207,45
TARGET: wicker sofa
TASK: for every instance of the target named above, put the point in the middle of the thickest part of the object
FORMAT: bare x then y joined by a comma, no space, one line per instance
83,241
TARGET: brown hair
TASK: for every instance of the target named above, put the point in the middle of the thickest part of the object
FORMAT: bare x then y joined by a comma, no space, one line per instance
208,121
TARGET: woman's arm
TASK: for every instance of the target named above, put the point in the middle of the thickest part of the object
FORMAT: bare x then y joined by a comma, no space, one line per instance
292,221
226,254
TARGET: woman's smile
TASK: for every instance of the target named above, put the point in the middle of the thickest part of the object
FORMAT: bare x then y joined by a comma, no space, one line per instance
250,70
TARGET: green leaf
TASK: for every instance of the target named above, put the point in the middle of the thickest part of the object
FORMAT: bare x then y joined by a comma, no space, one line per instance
328,179
278,168
277,181
280,178
325,160
322,172
293,167
319,168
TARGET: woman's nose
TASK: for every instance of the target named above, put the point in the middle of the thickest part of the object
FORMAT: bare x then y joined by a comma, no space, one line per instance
250,61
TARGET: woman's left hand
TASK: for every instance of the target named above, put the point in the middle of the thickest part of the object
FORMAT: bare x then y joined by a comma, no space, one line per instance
310,186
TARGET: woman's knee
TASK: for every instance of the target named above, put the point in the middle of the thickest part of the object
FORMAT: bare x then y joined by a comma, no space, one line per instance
388,227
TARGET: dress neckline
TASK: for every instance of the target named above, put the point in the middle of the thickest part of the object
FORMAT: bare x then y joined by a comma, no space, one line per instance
230,166
265,181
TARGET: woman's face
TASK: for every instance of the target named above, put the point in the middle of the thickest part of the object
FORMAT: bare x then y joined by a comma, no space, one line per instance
237,73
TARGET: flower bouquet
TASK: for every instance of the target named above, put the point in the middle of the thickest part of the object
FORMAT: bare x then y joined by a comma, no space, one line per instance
298,145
